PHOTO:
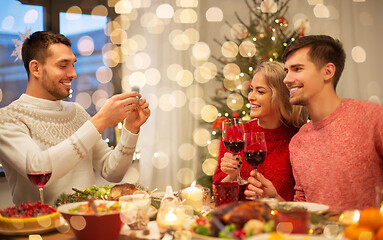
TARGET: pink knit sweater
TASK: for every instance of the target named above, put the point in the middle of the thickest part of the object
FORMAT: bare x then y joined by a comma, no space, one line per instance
338,161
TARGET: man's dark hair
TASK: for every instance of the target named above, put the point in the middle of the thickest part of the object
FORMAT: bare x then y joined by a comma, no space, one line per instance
36,46
323,49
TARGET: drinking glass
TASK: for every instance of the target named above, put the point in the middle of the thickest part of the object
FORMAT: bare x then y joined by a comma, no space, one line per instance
225,192
255,149
39,171
232,137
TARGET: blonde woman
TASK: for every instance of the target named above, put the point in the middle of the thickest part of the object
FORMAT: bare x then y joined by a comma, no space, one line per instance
278,119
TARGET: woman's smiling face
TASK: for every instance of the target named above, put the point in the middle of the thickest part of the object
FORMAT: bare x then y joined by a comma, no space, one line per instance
260,96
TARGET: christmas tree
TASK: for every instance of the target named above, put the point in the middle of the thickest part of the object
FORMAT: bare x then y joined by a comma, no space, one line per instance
264,38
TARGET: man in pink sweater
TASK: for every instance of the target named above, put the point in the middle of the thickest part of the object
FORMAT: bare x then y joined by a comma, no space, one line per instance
337,158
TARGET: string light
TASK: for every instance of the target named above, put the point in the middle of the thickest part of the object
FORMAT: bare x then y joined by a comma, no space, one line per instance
254,39
250,69
214,132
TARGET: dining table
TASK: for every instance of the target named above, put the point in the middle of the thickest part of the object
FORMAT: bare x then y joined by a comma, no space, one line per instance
68,234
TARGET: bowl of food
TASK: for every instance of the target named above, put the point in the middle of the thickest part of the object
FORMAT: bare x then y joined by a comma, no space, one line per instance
93,220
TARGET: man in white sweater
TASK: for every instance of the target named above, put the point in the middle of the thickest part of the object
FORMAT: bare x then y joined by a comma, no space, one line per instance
39,121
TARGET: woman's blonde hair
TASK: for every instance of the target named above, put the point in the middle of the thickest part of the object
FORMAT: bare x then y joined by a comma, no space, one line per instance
273,73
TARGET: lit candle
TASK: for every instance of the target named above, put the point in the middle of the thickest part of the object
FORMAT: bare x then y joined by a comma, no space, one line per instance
192,196
167,219
349,217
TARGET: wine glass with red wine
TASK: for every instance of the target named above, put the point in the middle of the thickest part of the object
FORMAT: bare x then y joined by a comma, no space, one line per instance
255,148
232,137
39,171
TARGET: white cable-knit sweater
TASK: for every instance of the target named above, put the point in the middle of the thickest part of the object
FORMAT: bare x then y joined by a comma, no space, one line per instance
61,131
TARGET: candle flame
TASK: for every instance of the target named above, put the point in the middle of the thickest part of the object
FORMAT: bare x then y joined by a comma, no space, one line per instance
119,125
356,216
193,184
170,216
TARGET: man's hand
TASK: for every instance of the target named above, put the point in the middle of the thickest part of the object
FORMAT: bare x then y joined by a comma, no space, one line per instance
259,185
137,116
114,110
231,166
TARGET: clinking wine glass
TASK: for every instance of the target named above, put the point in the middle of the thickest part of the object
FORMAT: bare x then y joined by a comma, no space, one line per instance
39,171
232,137
255,150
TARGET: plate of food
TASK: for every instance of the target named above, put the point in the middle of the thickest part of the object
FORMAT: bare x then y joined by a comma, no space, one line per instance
309,206
29,218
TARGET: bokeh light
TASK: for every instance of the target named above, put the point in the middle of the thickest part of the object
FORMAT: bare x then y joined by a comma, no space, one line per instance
165,11
192,34
209,113
73,13
84,99
187,3
104,74
99,97
31,16
185,176
201,51
166,102
358,54
231,71
247,49
269,6
137,79
314,2
118,36
142,60
100,10
172,71
160,160
234,101
213,147
301,20
123,7
238,31
321,11
194,91
214,14
153,76
184,78
180,98
8,23
229,49
187,151
85,46
77,222
209,166
185,16
201,137
196,105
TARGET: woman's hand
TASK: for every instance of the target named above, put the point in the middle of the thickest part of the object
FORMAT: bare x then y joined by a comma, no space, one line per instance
231,166
260,186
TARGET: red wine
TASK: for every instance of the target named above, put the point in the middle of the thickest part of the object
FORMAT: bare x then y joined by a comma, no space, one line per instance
225,192
254,158
234,146
242,189
39,178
